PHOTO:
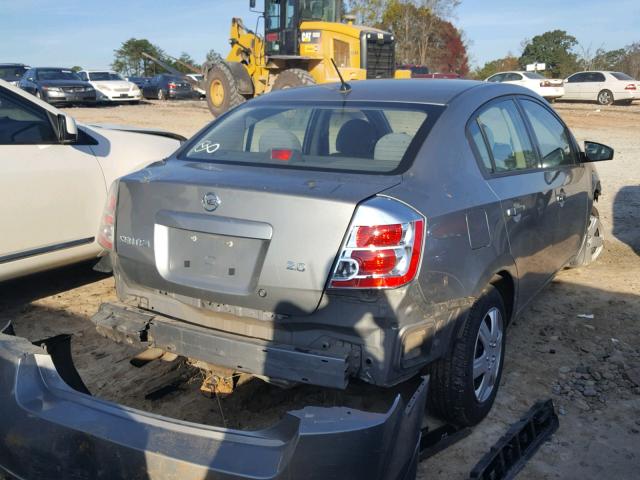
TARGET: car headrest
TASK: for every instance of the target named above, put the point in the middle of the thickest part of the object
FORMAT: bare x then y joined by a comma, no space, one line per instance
392,147
356,138
277,138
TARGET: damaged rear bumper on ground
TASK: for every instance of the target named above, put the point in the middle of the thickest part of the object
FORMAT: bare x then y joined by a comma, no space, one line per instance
49,430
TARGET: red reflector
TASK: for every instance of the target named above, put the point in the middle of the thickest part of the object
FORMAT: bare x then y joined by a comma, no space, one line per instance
281,154
375,262
631,86
272,37
379,235
172,86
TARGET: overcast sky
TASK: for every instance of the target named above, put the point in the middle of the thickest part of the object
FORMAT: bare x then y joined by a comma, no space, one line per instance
85,33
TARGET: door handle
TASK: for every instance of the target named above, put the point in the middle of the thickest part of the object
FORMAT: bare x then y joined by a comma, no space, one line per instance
515,210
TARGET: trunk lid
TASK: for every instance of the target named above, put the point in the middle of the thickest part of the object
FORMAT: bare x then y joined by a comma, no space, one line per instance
260,238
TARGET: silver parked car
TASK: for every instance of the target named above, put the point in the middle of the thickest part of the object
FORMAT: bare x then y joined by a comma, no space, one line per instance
316,235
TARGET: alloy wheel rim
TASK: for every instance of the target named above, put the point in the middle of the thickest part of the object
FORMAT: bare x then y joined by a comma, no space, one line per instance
595,240
487,354
605,98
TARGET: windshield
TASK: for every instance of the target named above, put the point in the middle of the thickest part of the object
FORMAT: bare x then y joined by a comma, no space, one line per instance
11,74
325,10
104,76
621,76
349,136
533,75
56,74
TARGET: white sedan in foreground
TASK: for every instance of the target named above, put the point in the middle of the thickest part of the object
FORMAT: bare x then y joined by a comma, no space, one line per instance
602,87
111,87
549,88
54,177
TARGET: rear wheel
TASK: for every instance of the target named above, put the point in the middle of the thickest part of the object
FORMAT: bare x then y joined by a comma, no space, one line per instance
222,90
464,384
292,78
605,97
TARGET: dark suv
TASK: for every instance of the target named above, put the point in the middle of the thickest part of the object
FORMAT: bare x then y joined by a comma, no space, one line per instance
58,86
320,234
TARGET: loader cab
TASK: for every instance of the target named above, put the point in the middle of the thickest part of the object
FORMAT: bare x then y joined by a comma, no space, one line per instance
283,19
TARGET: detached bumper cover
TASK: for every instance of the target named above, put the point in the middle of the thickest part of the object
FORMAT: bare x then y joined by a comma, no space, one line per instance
48,430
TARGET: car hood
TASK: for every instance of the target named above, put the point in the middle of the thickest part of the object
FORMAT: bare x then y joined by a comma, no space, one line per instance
62,83
113,84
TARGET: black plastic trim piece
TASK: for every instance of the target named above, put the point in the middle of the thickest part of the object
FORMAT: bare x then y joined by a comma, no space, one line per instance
42,250
510,454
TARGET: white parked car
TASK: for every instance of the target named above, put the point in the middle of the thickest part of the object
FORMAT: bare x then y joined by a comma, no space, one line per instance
200,79
111,87
602,87
54,177
549,88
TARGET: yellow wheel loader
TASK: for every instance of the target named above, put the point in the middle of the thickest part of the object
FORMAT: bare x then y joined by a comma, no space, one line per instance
301,37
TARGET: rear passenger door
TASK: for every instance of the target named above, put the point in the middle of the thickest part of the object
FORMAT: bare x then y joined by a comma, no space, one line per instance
525,193
562,168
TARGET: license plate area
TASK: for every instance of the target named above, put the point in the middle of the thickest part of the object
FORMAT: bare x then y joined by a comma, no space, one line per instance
209,261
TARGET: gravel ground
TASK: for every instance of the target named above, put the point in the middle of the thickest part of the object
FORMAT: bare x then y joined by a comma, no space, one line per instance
578,343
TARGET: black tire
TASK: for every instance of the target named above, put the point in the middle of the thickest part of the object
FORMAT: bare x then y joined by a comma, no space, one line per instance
605,97
293,78
453,391
222,90
593,245
625,102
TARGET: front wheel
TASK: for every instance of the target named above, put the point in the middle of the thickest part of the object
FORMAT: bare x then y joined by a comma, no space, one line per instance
223,92
593,242
464,384
605,97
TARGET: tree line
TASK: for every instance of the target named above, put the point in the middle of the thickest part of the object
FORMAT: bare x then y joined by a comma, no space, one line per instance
563,55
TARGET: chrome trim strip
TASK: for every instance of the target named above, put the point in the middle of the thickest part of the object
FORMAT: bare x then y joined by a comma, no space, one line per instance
42,250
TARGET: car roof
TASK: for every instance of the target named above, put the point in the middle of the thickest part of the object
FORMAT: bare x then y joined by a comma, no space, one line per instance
436,91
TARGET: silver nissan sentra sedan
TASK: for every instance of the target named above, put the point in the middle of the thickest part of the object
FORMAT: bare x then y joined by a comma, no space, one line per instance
322,234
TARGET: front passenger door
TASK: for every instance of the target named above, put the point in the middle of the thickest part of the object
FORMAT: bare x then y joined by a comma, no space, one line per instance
51,194
560,162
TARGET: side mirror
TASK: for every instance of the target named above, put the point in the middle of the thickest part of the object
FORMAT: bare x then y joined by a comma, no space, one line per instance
252,3
67,129
596,152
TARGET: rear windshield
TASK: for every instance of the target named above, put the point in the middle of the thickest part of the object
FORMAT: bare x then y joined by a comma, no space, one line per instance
621,76
532,75
55,74
348,136
12,73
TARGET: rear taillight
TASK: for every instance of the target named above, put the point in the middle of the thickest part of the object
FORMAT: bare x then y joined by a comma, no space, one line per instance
172,86
383,248
631,86
106,232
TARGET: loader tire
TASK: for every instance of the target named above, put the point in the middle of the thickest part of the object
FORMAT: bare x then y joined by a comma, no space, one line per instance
222,90
293,78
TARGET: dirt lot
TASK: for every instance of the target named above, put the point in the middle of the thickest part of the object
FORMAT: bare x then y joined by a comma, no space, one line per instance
578,343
